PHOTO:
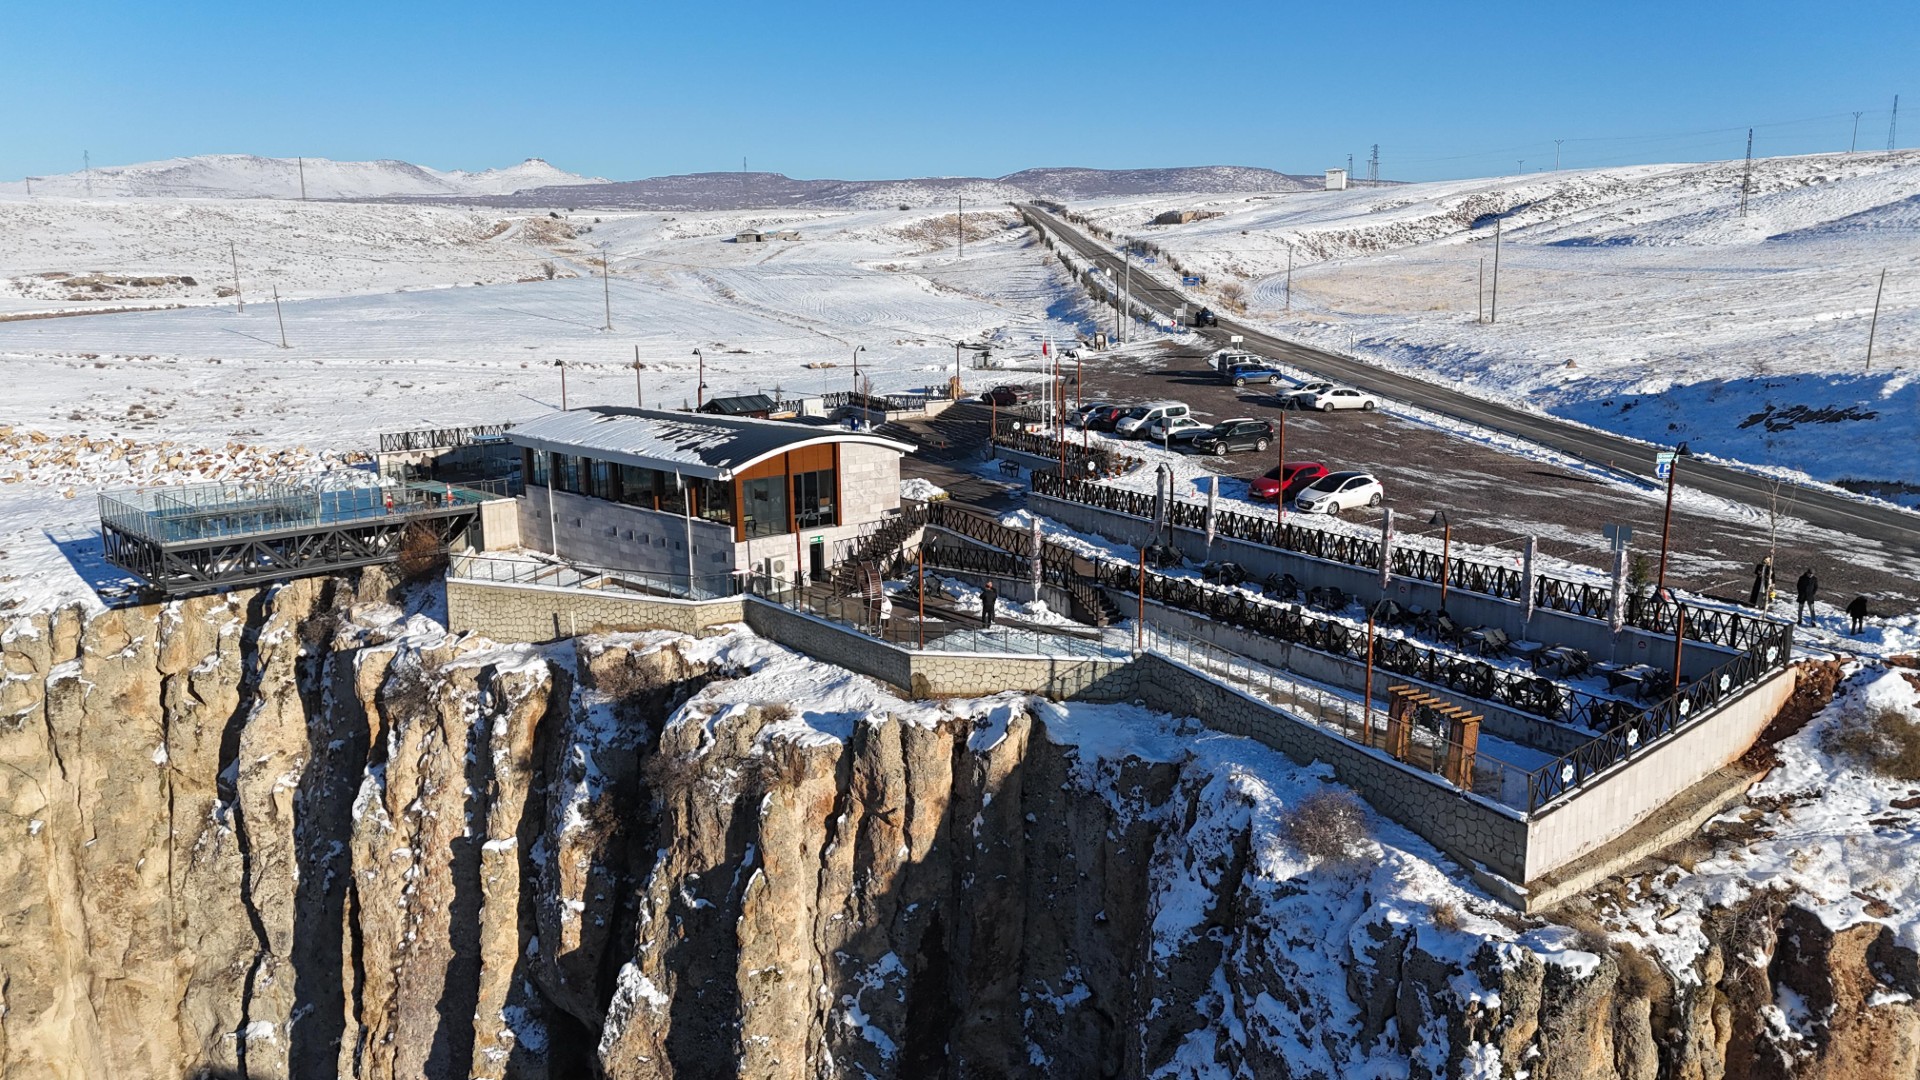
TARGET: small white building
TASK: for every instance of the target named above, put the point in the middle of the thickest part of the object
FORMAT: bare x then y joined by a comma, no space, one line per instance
1336,179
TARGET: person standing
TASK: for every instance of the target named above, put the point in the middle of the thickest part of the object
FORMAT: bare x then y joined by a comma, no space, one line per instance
886,612
1805,590
1857,611
989,599
1762,595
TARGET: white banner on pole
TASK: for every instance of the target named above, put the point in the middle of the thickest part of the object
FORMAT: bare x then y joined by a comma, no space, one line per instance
1618,615
1213,492
1386,548
1527,582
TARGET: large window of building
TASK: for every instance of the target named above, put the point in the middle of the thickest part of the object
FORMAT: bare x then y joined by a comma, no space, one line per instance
637,485
713,500
567,470
813,499
604,484
536,467
673,495
764,506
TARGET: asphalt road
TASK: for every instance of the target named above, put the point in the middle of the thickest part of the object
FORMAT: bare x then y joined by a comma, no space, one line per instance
1897,531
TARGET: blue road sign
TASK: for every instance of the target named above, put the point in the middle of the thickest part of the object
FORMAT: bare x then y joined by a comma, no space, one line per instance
1663,465
1189,280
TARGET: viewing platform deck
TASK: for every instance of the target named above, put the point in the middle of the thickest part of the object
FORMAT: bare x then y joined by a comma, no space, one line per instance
203,537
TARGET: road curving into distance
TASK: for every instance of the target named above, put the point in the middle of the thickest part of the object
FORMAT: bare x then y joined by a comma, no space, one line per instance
1896,530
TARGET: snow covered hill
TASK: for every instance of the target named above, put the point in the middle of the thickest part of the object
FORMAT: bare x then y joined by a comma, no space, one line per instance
1637,299
745,190
244,176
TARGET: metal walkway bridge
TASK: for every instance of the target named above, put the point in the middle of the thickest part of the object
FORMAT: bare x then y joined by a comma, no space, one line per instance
205,537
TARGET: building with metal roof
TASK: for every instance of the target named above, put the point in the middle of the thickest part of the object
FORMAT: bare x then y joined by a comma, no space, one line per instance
758,406
699,496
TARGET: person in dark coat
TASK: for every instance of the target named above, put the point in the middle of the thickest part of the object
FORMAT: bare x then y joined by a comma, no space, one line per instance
1805,590
989,599
1762,596
1857,611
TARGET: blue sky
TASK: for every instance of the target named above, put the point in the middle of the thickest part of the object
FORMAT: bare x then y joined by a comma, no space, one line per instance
883,90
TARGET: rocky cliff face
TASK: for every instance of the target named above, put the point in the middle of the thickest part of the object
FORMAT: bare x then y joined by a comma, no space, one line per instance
297,833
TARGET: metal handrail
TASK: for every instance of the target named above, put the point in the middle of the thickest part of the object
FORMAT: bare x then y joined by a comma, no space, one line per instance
1711,625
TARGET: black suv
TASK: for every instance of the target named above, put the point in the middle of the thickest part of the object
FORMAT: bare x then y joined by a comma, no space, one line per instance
1228,435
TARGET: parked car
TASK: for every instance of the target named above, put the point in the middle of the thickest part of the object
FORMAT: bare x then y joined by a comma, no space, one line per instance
1339,491
1134,424
1175,430
1242,374
1342,397
1229,358
1078,417
1010,394
1240,433
1298,475
1297,397
1204,317
1103,418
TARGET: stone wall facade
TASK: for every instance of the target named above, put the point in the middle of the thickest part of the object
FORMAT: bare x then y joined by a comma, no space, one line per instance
1471,829
518,612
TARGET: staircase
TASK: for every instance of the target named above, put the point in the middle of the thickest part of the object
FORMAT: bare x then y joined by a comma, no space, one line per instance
955,435
862,570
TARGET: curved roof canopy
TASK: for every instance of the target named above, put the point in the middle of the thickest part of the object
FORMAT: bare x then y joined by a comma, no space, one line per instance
692,444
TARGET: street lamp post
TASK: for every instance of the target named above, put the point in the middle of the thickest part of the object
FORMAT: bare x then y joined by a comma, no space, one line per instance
1280,494
562,365
857,350
1666,524
1446,547
1366,736
700,383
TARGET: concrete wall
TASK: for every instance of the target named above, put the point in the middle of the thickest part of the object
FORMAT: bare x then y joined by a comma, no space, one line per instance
1467,828
1338,671
499,525
1617,801
1630,646
610,534
942,674
869,483
521,612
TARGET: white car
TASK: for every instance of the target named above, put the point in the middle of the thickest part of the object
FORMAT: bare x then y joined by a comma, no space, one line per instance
1339,491
1298,397
1137,419
1341,397
1174,429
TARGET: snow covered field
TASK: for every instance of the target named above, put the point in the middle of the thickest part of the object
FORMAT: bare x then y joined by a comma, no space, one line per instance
402,317
1636,299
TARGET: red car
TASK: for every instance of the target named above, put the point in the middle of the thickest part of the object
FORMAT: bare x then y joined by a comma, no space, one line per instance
1299,475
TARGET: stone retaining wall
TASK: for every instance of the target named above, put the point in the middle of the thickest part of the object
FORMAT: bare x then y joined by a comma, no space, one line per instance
507,611
1468,828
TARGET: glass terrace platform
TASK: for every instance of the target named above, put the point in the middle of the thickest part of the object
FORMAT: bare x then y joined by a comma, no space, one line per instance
201,537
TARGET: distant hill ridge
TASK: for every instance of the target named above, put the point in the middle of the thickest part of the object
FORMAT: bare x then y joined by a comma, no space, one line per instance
246,176
535,183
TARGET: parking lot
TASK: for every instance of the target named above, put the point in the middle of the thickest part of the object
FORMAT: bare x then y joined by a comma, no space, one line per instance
1494,496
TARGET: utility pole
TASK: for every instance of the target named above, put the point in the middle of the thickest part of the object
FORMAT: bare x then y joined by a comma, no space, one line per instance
1556,154
1893,125
1482,294
1520,165
1854,143
233,253
700,383
1126,290
1493,309
1874,326
606,289
277,316
639,399
302,162
1746,178
960,227
86,159
1373,163
1289,277
29,187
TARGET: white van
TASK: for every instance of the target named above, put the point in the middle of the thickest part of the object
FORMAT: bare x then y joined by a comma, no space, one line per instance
1133,424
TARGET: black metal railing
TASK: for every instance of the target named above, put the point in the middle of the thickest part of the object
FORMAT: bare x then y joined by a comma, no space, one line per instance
440,438
1710,625
1079,461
